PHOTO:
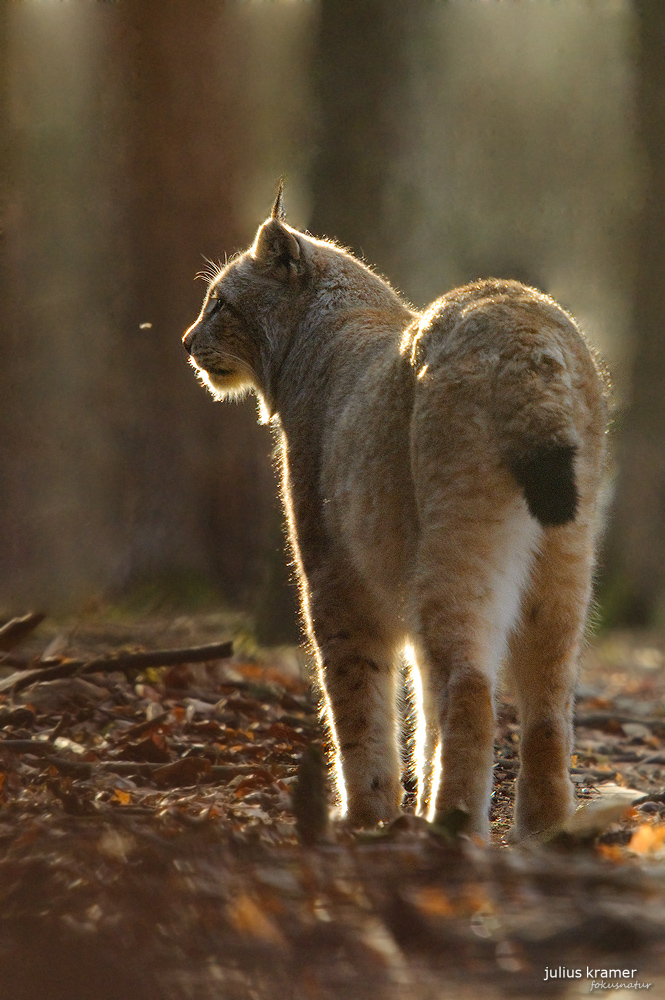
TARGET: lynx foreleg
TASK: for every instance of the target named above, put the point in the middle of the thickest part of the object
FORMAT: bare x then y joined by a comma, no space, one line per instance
465,737
360,693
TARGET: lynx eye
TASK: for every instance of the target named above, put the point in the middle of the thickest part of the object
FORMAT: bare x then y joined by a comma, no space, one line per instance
213,305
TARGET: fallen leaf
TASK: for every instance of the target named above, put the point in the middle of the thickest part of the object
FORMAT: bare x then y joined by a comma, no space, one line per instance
124,798
249,919
636,730
181,772
49,697
63,743
611,852
261,779
647,839
283,732
595,816
433,901
152,750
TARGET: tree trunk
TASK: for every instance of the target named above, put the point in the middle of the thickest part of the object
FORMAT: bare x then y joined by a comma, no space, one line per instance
58,465
126,142
198,479
361,74
635,556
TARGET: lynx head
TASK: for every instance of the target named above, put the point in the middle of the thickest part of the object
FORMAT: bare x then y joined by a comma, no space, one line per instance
256,302
250,305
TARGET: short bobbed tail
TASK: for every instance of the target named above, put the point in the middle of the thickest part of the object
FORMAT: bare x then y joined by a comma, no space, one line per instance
546,474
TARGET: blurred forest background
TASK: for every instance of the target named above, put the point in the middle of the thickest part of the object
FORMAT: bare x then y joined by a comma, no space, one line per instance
443,141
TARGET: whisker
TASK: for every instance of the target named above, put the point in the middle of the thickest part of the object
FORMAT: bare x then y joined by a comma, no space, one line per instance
210,273
233,357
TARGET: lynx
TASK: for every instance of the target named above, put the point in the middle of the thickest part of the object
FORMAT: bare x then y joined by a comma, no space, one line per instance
440,473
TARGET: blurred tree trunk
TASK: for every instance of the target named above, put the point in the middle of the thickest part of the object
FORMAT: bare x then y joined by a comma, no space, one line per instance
635,558
5,284
199,480
126,140
361,73
58,464
204,492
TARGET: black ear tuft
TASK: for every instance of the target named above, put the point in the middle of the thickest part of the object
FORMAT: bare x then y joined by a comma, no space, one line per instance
278,208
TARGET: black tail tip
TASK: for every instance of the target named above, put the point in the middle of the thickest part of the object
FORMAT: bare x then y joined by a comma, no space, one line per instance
547,477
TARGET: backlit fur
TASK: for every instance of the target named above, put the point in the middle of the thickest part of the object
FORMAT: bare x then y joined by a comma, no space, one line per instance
440,480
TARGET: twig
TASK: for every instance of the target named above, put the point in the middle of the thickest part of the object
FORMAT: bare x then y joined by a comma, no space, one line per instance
21,678
38,747
118,661
86,769
147,725
594,772
598,720
8,660
65,721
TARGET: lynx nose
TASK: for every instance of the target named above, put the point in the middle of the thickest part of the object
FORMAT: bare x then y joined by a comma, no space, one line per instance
188,338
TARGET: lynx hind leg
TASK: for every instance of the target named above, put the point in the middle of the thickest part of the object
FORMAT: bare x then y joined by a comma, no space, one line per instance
470,583
359,680
542,668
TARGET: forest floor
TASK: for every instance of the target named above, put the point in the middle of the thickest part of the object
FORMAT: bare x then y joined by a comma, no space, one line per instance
148,843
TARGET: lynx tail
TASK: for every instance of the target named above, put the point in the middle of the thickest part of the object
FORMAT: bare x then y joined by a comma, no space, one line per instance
536,417
547,477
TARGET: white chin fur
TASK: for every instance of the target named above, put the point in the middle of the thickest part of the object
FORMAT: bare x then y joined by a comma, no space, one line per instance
226,386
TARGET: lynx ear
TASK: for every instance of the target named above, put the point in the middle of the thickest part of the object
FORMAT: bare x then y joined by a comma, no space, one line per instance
277,248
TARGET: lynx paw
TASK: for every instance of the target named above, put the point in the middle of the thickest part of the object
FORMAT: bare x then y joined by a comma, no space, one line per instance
379,803
537,817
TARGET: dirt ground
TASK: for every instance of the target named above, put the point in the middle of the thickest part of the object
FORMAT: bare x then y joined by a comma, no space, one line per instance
149,846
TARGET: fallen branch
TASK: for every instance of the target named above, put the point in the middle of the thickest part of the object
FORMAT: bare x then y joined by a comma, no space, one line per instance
17,630
595,773
40,748
8,660
117,661
598,720
123,768
127,768
48,749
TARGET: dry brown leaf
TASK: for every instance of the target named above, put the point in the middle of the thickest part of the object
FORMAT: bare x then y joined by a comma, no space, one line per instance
249,919
181,772
152,749
433,901
47,697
